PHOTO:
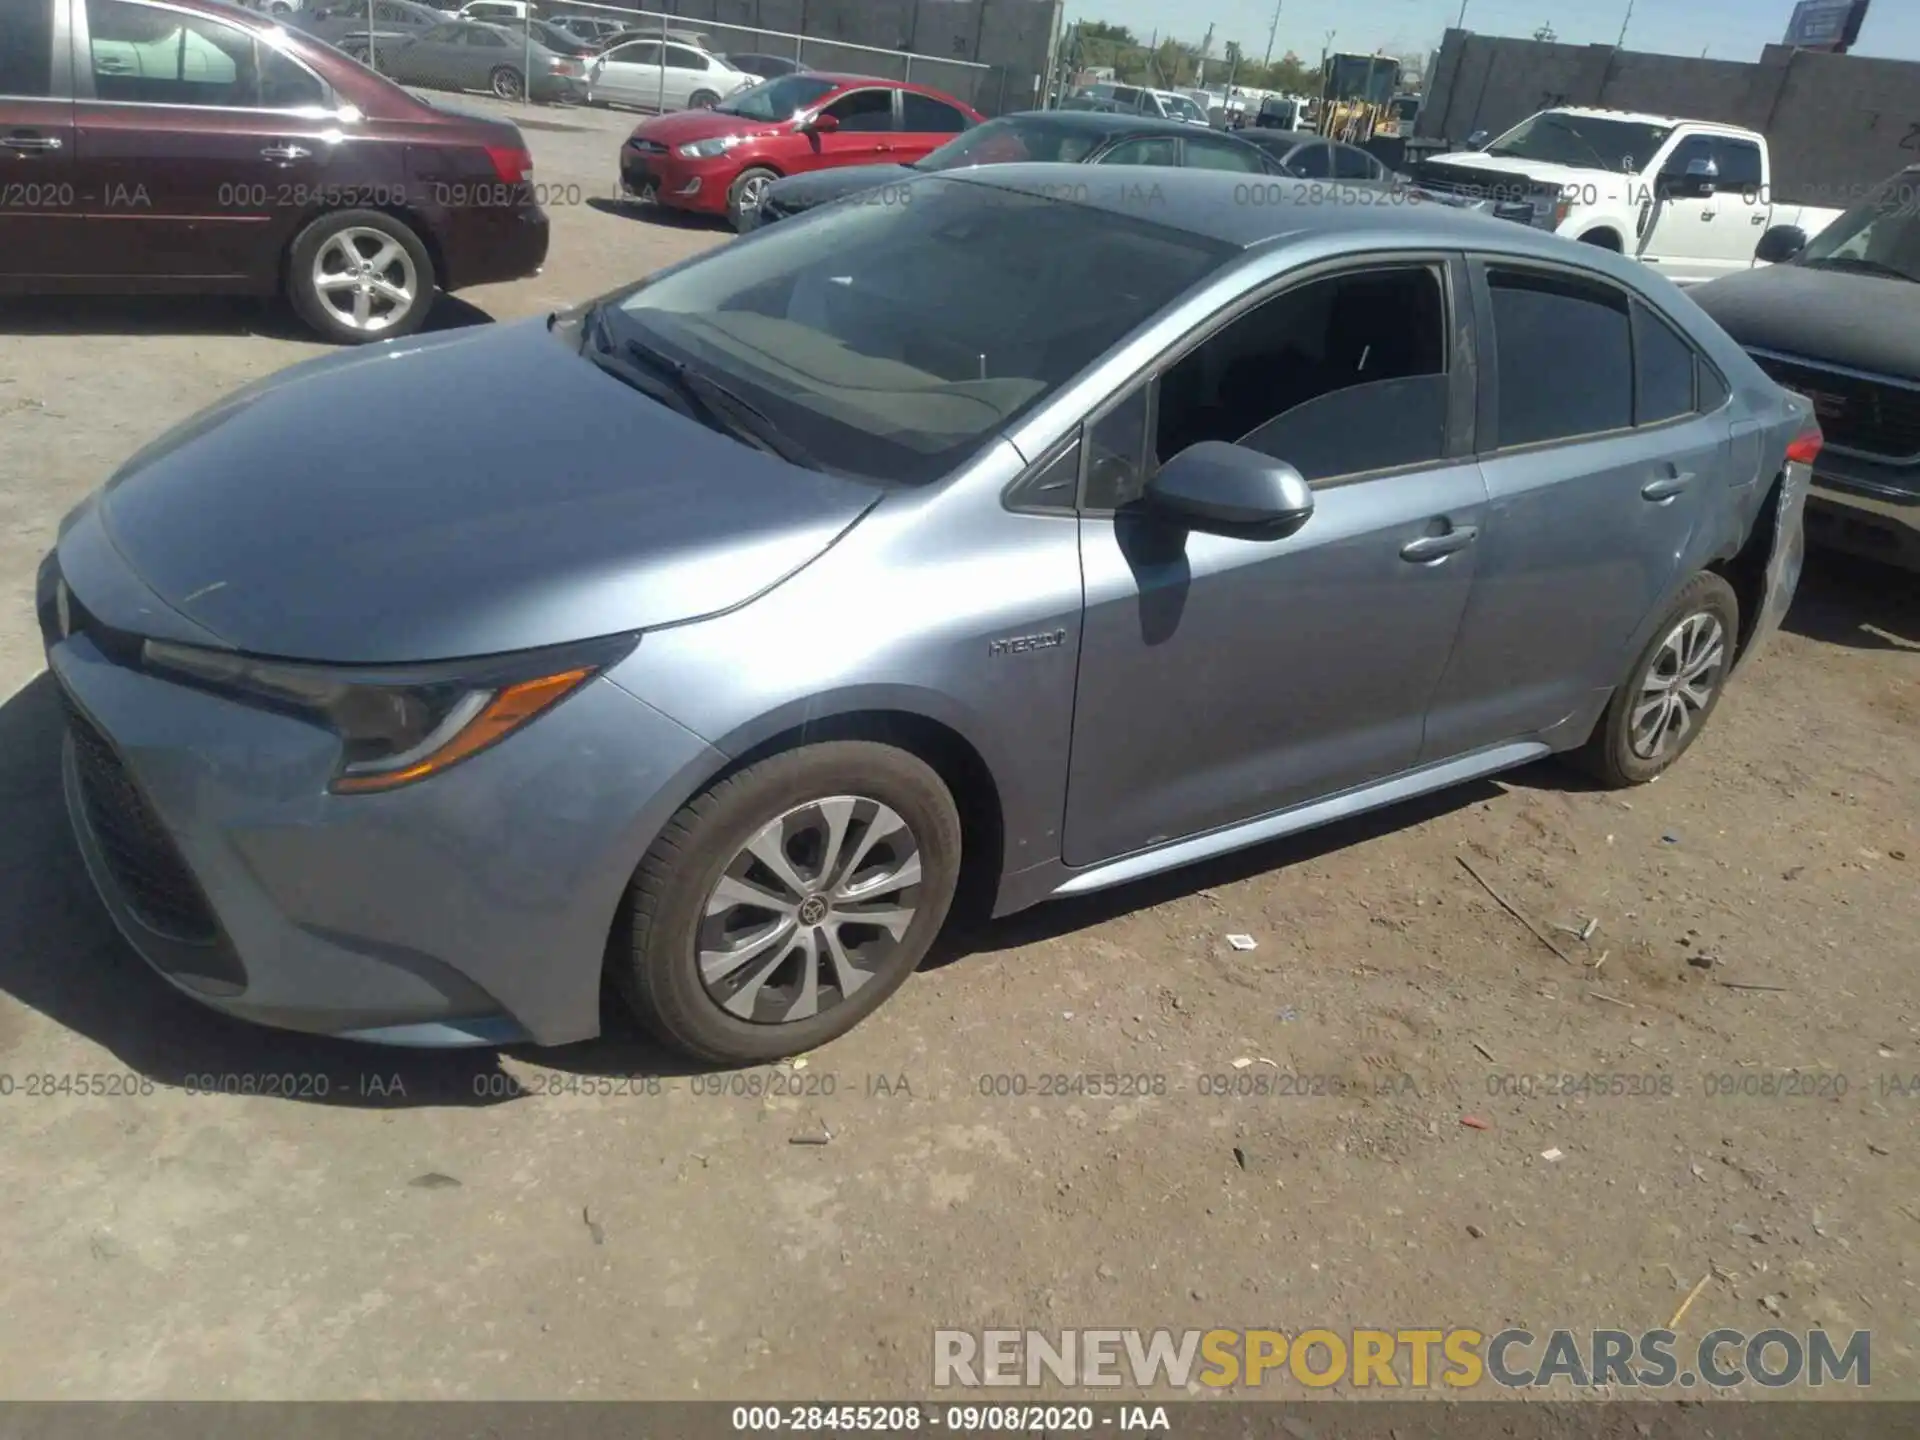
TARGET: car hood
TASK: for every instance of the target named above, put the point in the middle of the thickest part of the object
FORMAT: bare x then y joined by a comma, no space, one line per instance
1834,317
1538,171
818,187
686,125
477,492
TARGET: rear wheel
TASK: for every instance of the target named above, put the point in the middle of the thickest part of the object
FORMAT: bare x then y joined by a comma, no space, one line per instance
1672,689
506,83
360,275
744,196
782,905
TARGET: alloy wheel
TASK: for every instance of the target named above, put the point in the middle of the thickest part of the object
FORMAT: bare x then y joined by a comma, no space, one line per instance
506,83
366,279
807,911
751,194
1678,686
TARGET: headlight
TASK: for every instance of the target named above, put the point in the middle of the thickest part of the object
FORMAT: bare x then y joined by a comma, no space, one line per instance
707,149
399,724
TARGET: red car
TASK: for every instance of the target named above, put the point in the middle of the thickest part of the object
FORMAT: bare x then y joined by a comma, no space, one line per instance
719,161
193,146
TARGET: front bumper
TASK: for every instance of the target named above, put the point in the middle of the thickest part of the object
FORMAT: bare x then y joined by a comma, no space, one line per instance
472,908
1856,507
664,178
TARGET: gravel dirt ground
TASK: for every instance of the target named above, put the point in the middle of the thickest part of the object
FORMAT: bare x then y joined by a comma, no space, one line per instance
1746,1007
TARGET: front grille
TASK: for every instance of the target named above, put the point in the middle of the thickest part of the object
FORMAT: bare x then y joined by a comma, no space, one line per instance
1875,418
153,878
647,147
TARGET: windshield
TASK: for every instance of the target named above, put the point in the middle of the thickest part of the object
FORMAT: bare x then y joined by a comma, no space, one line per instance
891,341
1881,233
1011,140
777,99
1554,137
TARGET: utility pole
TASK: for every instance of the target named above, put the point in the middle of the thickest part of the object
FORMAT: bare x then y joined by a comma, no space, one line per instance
1461,23
1621,43
1271,29
1206,49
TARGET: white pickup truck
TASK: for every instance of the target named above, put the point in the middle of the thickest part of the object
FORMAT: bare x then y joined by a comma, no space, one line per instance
1690,197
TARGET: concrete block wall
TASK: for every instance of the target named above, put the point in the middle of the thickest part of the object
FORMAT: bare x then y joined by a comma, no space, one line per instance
1835,124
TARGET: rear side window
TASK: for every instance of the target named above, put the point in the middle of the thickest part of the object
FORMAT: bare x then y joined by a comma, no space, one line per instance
1739,162
928,116
26,48
1159,150
1352,164
1311,162
1565,357
146,55
681,58
1208,154
1663,381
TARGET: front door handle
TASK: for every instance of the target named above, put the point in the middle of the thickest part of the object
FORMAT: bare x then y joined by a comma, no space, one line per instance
285,152
30,144
1661,491
1438,547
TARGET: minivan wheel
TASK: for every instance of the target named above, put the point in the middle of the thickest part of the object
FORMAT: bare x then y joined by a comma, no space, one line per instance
1672,689
505,82
783,904
360,275
744,195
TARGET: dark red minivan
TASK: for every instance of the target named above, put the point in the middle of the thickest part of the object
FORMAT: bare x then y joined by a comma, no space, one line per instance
192,146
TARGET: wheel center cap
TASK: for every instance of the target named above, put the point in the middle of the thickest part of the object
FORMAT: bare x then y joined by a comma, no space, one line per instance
813,910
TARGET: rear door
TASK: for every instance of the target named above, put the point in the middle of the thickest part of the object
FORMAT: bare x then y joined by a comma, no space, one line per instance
926,123
193,143
40,208
690,73
1600,450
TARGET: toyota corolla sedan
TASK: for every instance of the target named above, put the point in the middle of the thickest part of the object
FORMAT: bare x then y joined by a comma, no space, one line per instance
1041,533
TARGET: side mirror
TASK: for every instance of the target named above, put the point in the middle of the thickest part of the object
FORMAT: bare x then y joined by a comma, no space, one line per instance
1780,244
821,124
1222,489
1698,181
1478,140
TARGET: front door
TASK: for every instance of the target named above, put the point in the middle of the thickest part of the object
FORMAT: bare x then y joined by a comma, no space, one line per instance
1596,490
1678,239
1220,678
191,146
40,208
863,133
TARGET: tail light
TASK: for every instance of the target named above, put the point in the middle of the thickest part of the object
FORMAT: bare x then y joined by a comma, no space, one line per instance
1806,449
568,67
512,163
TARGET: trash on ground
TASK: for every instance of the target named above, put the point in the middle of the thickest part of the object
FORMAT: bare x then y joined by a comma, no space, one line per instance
1553,1153
1243,942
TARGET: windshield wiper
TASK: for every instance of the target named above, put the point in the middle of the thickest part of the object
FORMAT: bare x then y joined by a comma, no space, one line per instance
713,404
1862,264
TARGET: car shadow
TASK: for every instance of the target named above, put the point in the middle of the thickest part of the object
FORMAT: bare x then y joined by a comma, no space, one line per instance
662,215
267,319
61,956
1860,603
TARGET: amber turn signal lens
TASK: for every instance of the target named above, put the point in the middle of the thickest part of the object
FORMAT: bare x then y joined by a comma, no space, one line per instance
500,717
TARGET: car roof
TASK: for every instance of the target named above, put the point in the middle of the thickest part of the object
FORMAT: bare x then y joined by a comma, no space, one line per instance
1213,204
1632,116
1105,122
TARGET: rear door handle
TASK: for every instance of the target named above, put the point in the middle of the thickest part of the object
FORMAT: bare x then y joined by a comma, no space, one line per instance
30,144
285,152
1438,547
1661,491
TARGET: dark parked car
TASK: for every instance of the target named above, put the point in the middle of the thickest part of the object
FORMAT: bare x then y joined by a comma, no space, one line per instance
719,161
596,31
469,55
767,67
344,22
558,39
1837,318
1308,156
207,149
1071,137
1049,535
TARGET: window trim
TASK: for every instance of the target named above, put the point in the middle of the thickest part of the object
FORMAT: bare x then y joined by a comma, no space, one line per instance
1459,339
81,87
827,102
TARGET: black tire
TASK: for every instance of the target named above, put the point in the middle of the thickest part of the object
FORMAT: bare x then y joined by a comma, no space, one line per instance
506,84
1610,754
318,312
749,182
654,961
702,100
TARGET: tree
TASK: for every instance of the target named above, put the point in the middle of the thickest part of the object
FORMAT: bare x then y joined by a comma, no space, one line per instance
1096,30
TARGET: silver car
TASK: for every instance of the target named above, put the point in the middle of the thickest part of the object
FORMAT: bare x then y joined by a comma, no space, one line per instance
1042,533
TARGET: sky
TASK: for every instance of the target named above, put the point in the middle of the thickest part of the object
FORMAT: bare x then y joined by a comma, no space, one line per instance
1728,29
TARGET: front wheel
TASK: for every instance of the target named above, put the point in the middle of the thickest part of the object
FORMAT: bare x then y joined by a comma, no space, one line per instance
1660,710
781,906
506,83
744,196
360,275
702,100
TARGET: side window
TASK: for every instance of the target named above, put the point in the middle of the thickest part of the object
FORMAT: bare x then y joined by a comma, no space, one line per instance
681,58
1207,154
1694,147
393,15
285,84
864,110
1663,370
1351,163
1128,96
26,49
1565,357
640,52
1053,484
482,38
1159,150
1713,390
1739,162
167,57
444,34
1311,162
1117,455
1306,375
928,116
